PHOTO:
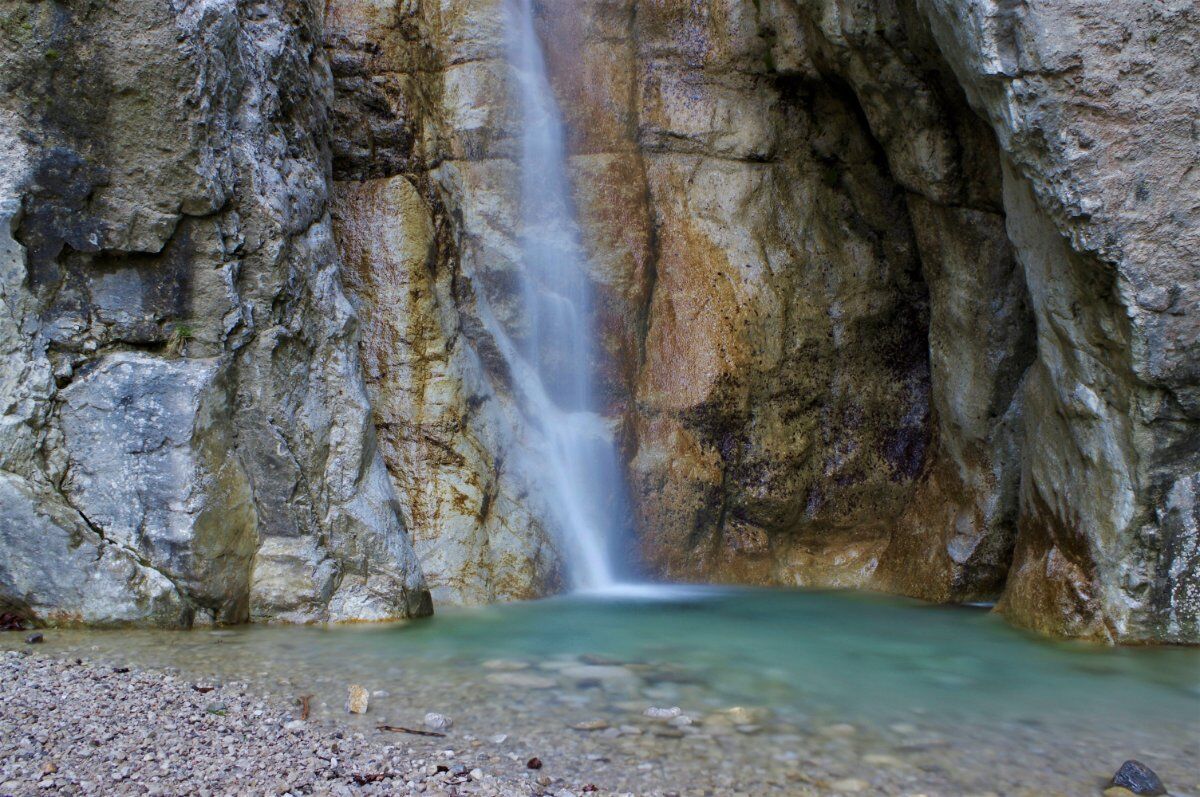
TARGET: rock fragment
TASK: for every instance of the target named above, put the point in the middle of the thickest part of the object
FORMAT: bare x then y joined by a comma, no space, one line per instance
1138,778
437,722
357,699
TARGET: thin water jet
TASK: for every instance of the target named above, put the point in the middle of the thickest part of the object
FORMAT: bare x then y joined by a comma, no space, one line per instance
573,455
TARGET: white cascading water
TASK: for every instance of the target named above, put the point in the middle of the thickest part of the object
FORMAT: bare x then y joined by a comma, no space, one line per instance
573,454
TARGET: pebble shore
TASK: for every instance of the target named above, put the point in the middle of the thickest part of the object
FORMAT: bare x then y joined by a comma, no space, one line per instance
255,713
72,727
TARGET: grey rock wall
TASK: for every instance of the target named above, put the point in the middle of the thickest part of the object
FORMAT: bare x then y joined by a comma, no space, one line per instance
1094,109
186,434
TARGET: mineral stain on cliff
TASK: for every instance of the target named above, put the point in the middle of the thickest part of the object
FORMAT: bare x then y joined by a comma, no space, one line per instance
891,295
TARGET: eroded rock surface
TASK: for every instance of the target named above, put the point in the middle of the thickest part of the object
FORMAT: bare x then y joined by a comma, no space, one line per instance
186,433
892,295
889,295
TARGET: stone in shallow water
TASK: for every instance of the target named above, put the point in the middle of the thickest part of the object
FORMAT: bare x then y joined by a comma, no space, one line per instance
357,700
507,665
841,729
522,680
1138,778
437,722
852,785
598,672
739,715
667,731
663,714
591,725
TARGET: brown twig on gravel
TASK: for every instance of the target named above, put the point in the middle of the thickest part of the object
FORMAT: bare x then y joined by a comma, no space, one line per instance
398,729
304,706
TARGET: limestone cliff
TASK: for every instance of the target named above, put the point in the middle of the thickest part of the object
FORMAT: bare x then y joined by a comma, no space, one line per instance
186,433
893,294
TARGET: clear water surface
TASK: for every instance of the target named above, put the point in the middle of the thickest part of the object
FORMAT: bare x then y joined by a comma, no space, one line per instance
787,692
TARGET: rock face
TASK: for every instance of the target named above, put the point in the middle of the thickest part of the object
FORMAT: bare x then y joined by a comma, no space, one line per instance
1029,403
186,433
894,295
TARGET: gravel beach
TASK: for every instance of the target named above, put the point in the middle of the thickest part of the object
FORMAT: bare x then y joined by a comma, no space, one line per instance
221,712
73,727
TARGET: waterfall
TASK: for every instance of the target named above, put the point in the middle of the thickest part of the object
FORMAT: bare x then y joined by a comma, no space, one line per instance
572,454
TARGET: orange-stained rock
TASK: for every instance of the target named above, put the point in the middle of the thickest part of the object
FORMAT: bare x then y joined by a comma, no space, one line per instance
871,310
440,425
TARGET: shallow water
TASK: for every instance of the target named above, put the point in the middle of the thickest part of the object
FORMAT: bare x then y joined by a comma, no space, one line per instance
904,697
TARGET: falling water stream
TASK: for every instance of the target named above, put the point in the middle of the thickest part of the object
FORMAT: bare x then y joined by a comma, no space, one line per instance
572,456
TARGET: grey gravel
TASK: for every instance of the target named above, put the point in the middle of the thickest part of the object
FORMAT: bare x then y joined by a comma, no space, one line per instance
72,727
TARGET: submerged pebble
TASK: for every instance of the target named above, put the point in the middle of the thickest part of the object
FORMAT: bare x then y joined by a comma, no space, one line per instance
663,714
850,785
437,722
522,680
1138,778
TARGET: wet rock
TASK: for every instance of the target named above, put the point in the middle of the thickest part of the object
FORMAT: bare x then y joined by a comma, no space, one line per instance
850,785
506,665
599,660
663,714
522,680
34,639
438,722
739,715
598,672
1138,778
839,730
478,536
591,725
